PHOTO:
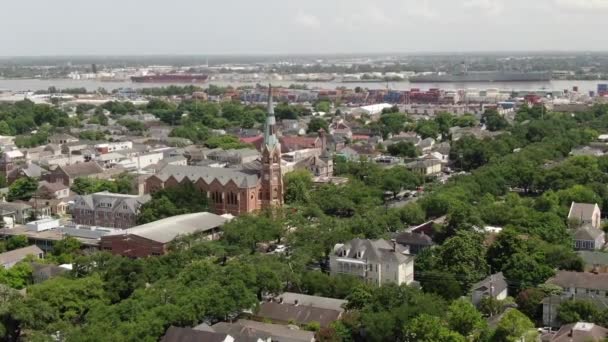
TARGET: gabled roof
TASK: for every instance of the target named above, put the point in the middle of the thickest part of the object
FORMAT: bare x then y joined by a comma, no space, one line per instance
411,238
82,169
301,314
495,283
32,170
580,280
277,332
52,187
376,251
587,233
241,178
17,255
582,211
580,332
117,201
176,334
316,301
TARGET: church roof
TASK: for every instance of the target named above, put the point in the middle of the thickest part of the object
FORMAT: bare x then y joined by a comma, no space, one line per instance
241,178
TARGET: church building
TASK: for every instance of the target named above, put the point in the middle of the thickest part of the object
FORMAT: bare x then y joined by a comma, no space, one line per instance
237,191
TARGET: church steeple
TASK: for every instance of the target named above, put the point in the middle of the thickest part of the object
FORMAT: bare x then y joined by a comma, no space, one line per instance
270,134
271,184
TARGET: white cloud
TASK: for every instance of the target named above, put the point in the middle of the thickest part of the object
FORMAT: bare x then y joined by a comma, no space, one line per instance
493,7
308,21
583,4
422,9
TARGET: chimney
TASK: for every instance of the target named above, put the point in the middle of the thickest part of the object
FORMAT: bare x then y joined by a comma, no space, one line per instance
571,333
394,243
280,300
295,302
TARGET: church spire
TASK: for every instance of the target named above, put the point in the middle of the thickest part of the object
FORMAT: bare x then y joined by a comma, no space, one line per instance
270,136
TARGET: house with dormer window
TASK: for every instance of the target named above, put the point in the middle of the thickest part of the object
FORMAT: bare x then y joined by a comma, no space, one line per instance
378,262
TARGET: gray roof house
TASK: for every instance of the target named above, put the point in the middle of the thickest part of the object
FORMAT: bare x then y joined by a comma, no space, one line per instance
580,332
376,261
494,286
586,214
259,330
10,258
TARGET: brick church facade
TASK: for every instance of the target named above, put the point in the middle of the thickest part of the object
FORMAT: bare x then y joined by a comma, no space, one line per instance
234,191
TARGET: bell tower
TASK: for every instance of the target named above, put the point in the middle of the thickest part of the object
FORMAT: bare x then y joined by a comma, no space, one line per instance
271,191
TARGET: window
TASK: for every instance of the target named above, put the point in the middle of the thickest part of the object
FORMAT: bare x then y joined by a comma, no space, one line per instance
156,254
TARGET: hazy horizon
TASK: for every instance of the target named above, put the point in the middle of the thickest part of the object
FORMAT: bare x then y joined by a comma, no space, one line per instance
189,27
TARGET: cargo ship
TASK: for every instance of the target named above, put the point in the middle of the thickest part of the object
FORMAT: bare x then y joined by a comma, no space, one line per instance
170,78
484,76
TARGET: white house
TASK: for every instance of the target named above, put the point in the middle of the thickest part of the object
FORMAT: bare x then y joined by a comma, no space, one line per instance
586,214
377,261
494,286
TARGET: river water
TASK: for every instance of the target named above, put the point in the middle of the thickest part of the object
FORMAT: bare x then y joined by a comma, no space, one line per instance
559,85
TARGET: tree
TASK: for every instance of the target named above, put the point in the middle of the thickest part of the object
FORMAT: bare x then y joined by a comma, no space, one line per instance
529,302
22,189
525,270
323,106
317,124
463,318
172,201
494,121
403,149
427,129
426,328
17,241
440,283
225,142
573,311
297,187
464,254
514,326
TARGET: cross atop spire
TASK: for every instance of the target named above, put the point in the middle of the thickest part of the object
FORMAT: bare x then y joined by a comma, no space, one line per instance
270,136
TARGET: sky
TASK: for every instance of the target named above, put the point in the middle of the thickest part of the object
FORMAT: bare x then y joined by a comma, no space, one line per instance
204,27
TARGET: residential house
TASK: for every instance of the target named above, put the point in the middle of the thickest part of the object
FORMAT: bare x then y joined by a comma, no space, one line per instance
589,238
248,330
376,261
18,212
67,174
60,139
52,190
340,128
581,332
551,306
301,310
105,209
234,157
176,334
154,238
575,283
595,261
54,195
426,144
415,242
425,167
28,170
494,286
9,160
295,143
10,258
109,160
586,214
